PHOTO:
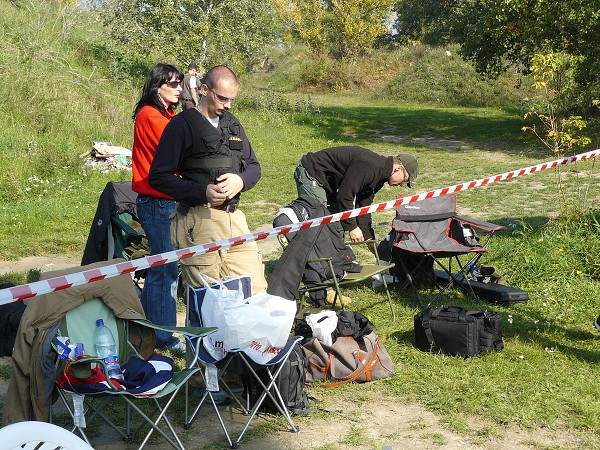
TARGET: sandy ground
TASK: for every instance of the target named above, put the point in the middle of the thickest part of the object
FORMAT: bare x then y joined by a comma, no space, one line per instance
375,421
379,422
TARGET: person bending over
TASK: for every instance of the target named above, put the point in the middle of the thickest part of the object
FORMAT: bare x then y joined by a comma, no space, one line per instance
348,177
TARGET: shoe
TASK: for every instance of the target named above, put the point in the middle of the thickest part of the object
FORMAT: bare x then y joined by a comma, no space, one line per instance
377,281
220,397
331,296
597,323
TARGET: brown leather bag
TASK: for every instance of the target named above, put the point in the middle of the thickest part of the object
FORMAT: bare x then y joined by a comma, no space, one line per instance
347,360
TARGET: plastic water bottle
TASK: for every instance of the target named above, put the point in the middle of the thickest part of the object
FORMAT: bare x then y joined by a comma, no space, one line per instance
107,350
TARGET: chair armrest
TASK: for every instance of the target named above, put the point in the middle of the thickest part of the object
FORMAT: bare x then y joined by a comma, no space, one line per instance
480,224
401,226
367,242
194,332
90,359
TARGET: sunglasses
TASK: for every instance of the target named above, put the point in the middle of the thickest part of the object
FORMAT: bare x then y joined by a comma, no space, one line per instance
174,84
221,98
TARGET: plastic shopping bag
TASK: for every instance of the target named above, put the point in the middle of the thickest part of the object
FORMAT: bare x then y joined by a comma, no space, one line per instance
218,299
260,326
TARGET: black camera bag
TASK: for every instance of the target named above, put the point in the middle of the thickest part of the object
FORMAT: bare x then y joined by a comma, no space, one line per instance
455,331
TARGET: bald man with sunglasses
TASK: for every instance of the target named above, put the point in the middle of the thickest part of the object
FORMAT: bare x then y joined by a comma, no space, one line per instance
204,160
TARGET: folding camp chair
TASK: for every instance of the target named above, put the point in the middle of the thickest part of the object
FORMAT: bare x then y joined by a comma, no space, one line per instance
116,231
78,326
429,231
72,313
114,224
236,362
368,271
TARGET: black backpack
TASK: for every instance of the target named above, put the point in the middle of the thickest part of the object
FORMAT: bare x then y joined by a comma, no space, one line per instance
290,383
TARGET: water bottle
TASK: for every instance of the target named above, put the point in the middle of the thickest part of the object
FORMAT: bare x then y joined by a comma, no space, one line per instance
107,350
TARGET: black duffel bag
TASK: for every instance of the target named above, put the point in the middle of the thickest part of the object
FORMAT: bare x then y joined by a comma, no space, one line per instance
455,331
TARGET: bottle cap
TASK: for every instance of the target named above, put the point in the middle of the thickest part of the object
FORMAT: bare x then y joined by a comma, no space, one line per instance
99,322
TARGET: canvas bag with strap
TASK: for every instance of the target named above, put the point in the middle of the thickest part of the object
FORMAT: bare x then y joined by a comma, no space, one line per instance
347,360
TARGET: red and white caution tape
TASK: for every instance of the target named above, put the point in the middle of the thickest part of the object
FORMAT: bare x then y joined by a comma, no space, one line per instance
22,292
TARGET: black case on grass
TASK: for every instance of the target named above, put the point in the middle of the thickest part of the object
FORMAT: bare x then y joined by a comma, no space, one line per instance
455,331
497,293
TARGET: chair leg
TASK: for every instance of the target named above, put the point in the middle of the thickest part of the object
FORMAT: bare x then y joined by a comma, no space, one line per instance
387,292
409,282
266,391
154,424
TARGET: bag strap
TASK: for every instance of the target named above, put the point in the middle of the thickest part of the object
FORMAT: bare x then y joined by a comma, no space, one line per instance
427,315
356,374
325,370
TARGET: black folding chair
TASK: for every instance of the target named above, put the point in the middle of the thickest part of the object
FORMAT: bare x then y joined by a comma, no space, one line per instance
427,233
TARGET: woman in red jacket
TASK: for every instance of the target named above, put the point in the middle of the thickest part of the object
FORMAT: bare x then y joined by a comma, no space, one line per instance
152,113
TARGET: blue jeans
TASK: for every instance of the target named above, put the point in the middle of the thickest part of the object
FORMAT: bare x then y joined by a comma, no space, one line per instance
159,295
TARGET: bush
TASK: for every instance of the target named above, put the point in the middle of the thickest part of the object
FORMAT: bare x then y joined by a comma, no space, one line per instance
441,76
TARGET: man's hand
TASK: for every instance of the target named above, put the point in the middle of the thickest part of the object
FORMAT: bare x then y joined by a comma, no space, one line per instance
356,235
231,184
215,195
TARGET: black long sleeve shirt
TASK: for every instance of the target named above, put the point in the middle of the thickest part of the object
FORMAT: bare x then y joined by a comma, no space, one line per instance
351,176
174,146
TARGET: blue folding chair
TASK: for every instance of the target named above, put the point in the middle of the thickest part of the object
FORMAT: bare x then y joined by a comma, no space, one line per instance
238,362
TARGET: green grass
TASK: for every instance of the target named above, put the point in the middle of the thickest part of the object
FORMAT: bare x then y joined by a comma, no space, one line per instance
546,376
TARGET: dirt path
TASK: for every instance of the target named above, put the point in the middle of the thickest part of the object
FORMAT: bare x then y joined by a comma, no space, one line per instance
375,421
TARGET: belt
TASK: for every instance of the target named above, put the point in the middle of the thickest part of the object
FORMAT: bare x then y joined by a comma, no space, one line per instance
231,208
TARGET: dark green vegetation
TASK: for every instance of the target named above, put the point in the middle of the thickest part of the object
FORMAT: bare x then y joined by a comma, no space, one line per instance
62,91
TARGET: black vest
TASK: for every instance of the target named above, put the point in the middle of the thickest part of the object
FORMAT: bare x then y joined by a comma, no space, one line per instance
213,153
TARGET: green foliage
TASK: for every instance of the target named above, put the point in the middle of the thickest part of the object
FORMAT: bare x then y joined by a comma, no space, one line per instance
498,35
231,32
441,76
559,132
415,73
344,29
275,103
59,98
425,21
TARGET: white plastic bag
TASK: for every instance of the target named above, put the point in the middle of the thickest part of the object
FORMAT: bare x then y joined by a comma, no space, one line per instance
217,300
259,325
323,324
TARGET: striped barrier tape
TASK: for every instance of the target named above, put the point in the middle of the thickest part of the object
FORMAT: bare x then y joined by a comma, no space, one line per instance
25,291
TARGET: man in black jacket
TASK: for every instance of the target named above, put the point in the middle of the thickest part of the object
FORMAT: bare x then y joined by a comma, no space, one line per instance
204,160
348,177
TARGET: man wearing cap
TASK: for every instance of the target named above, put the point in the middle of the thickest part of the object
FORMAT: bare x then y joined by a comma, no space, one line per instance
348,177
189,93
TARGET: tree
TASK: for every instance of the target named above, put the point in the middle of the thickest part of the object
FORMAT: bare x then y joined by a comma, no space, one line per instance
496,33
343,28
427,21
306,20
232,32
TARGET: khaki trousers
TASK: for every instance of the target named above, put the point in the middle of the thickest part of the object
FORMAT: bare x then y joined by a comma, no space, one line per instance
202,225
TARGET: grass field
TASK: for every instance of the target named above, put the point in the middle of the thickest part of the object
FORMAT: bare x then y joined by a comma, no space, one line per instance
547,376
